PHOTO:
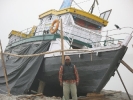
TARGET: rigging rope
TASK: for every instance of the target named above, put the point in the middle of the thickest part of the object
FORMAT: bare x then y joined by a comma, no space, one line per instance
43,53
81,2
77,5
98,9
78,50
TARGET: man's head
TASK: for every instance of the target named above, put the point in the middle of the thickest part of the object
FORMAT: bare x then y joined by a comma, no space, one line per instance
67,60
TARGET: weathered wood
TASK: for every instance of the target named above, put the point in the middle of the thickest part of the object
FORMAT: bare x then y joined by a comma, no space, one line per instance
4,68
123,84
27,97
127,66
94,95
41,87
93,98
108,94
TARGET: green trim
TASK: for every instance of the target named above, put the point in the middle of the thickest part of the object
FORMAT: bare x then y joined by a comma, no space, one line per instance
80,42
43,38
52,37
105,41
33,39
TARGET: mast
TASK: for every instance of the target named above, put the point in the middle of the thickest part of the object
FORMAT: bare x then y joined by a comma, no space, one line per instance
93,5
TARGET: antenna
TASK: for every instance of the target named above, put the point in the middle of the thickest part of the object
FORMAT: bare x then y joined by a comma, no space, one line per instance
97,2
93,5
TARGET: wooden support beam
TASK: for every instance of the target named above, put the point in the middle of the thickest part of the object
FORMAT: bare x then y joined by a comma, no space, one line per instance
93,96
41,87
123,85
127,66
4,68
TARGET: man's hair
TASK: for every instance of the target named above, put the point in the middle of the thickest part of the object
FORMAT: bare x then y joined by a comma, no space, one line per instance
67,57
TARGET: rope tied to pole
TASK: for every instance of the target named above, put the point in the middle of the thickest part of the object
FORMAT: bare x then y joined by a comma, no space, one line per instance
49,52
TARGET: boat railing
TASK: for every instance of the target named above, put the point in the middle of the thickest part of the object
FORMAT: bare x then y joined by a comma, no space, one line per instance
109,37
82,34
22,33
26,31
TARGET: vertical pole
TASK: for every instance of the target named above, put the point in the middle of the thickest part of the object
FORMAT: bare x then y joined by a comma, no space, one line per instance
41,87
4,68
71,3
123,85
91,56
105,43
62,43
106,35
127,66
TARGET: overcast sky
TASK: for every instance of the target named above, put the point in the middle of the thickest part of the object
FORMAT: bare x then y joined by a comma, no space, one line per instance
21,14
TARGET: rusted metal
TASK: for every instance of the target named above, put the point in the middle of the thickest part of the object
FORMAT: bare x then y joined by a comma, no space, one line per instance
123,84
127,66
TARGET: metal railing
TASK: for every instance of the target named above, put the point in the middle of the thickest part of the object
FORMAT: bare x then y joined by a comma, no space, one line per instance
104,35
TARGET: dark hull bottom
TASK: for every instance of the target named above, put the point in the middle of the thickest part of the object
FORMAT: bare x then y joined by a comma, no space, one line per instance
93,75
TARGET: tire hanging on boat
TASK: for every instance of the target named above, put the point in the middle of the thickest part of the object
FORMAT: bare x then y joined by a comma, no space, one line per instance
53,30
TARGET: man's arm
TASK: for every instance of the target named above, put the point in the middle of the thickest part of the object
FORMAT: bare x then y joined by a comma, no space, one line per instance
60,75
76,74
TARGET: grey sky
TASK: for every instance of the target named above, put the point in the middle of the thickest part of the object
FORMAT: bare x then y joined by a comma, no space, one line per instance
22,14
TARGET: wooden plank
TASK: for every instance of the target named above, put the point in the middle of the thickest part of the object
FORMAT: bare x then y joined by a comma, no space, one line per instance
40,87
127,66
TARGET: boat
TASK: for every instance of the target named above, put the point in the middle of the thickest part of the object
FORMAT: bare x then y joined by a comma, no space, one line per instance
36,54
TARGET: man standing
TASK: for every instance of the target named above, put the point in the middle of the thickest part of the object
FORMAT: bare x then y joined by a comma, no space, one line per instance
68,77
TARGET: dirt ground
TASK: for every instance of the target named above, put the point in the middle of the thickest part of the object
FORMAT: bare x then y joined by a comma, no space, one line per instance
104,95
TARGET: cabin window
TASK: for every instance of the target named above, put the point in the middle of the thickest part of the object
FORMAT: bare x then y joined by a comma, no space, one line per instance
86,24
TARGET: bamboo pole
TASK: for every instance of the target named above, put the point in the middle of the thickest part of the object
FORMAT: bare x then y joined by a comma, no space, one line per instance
127,66
62,43
123,84
41,87
4,68
49,52
43,53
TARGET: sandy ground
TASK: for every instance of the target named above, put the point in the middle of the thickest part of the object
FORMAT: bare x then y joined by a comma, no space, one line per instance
105,95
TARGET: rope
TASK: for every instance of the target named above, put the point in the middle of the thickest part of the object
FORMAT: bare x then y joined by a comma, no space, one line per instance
43,53
78,5
98,9
81,2
39,54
